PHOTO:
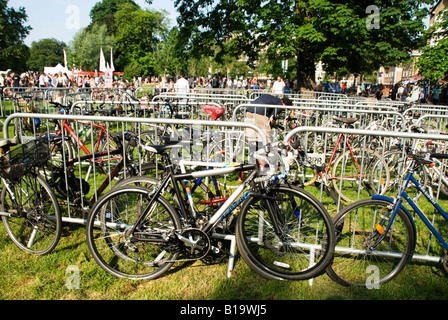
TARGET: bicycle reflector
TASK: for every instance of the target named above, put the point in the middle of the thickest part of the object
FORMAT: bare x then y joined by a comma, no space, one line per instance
380,229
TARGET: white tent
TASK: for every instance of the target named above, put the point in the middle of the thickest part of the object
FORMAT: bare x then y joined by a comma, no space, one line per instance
58,68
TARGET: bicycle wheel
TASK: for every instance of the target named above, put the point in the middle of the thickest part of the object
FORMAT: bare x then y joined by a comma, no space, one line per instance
398,164
149,251
355,263
359,173
34,223
286,234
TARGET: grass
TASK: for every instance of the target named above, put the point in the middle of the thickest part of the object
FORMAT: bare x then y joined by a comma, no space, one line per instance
29,277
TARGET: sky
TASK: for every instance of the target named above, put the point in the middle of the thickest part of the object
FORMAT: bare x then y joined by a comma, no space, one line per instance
62,19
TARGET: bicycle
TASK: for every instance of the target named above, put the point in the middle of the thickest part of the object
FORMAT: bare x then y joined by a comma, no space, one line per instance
376,238
398,161
23,127
282,232
72,190
29,208
100,138
355,171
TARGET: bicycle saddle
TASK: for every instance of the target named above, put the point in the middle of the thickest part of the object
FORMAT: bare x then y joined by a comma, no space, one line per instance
169,143
8,142
215,112
346,120
54,138
162,148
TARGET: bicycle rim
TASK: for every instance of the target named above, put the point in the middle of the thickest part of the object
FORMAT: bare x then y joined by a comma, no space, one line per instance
355,263
302,250
353,178
107,234
35,222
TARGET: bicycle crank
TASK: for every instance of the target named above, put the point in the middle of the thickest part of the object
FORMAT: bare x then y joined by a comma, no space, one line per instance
444,261
197,243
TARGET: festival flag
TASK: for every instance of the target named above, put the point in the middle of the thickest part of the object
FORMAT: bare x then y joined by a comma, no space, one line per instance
112,60
102,61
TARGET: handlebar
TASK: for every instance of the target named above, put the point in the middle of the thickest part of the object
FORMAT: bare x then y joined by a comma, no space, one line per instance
438,156
272,158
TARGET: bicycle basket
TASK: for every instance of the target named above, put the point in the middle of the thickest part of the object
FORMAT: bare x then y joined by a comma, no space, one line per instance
17,162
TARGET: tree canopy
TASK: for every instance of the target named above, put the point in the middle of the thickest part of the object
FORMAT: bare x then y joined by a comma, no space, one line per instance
433,64
13,31
46,53
338,33
133,34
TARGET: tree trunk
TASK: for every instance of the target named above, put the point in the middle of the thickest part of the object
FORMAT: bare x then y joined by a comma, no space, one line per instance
306,72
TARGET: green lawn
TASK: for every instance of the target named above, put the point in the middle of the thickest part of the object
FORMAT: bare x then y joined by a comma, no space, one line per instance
51,277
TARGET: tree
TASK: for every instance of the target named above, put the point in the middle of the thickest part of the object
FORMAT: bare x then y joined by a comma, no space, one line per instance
103,13
137,36
169,56
433,64
87,44
339,33
13,31
45,53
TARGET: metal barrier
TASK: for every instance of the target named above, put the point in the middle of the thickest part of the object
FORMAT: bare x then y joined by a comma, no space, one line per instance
312,117
424,252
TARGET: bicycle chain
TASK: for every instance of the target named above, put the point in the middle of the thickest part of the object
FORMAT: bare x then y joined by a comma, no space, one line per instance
195,258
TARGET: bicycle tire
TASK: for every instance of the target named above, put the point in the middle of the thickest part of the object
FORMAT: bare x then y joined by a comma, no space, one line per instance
35,221
354,182
398,166
109,220
272,257
355,263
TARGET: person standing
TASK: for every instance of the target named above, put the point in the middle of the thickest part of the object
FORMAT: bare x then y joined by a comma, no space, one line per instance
182,86
15,80
43,80
263,117
404,93
278,86
435,94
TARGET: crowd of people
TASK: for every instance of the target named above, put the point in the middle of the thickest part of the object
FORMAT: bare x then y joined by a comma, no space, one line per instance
161,84
217,82
56,80
403,92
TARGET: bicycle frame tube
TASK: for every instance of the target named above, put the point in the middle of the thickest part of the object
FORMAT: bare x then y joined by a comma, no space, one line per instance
335,149
76,138
212,173
349,147
154,196
403,195
229,205
422,215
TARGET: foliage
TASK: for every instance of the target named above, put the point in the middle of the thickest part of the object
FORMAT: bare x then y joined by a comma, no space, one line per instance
87,44
12,33
138,33
336,32
103,13
132,33
169,56
45,53
433,64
